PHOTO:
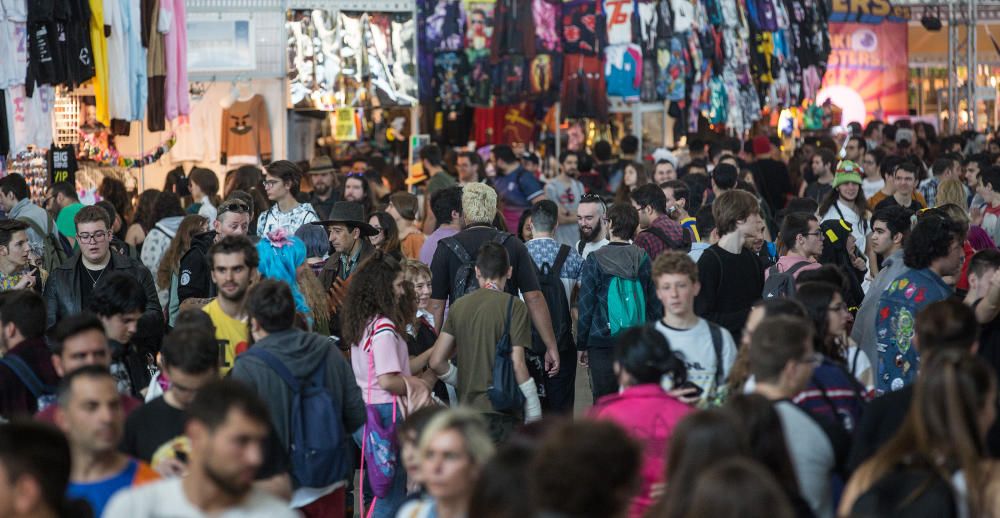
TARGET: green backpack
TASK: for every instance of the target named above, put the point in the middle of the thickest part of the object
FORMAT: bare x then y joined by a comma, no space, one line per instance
626,304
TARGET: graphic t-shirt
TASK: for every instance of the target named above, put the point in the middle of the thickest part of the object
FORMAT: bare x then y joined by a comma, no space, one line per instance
232,335
579,28
695,347
618,18
97,494
567,196
274,218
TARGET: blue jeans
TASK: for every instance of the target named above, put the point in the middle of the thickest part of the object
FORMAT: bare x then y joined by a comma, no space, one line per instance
385,507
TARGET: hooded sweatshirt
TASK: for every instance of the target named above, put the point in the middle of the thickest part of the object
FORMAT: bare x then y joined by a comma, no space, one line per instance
302,353
614,260
155,246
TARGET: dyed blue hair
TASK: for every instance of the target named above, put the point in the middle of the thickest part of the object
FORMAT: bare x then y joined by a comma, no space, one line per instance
280,263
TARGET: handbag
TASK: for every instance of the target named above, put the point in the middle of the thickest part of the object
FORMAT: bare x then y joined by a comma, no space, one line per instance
379,450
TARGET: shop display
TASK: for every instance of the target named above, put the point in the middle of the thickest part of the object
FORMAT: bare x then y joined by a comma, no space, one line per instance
246,133
94,147
62,164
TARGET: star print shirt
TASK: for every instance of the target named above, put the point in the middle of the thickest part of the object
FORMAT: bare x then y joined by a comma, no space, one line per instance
895,320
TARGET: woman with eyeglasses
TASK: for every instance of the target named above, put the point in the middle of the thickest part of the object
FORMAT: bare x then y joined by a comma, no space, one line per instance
282,186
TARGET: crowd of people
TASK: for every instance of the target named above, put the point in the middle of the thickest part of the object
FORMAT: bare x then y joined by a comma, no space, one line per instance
762,335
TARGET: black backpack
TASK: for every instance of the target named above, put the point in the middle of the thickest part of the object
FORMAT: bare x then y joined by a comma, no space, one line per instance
551,285
465,277
910,492
782,284
503,391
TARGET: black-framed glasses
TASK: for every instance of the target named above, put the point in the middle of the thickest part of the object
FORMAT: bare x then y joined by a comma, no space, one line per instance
95,237
237,206
271,183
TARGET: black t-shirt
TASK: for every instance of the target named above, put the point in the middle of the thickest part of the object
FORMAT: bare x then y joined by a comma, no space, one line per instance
891,202
88,280
730,285
989,342
151,426
445,264
818,191
773,183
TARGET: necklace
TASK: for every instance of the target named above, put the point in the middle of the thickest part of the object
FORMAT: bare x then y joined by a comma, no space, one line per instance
92,277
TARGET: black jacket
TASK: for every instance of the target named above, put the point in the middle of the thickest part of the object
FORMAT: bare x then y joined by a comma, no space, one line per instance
137,361
195,279
62,295
331,272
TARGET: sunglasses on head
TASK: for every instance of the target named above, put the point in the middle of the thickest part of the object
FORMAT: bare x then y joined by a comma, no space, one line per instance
593,198
233,206
355,175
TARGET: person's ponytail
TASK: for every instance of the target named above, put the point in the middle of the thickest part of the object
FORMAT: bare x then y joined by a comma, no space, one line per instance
645,355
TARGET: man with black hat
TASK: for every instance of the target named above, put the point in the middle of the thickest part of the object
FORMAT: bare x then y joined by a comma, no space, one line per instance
325,186
349,229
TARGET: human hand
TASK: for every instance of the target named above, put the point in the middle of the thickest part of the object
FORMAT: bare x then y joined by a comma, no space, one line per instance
27,281
171,467
551,363
581,358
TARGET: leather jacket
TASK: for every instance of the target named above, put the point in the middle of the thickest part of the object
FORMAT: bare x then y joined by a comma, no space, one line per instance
62,295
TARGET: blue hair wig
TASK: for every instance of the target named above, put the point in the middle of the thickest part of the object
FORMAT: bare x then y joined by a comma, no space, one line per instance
279,261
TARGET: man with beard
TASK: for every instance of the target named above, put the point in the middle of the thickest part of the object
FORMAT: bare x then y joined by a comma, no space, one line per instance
233,262
590,217
358,190
91,416
325,187
195,279
227,428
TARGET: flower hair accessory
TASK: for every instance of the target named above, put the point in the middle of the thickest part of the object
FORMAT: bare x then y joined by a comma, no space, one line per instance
279,238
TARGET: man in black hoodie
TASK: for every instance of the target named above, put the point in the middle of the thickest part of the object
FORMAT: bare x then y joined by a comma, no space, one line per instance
272,311
195,279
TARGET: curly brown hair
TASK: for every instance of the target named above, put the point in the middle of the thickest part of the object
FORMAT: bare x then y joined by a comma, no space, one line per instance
316,298
190,226
370,295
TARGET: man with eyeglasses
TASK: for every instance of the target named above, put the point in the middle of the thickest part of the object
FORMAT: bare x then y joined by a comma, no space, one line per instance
800,233
195,279
70,286
782,361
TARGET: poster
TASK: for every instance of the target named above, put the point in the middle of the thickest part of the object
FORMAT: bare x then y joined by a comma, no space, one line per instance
868,71
225,44
345,128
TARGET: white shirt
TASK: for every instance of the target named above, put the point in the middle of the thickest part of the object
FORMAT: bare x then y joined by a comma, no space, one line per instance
590,247
166,499
812,456
696,348
870,188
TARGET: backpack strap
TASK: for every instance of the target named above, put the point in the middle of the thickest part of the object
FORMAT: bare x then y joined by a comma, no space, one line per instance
501,237
716,333
663,237
561,258
796,267
34,226
26,375
580,246
276,365
506,325
165,230
457,249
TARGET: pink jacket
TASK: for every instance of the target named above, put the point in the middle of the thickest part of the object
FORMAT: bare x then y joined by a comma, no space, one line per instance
649,415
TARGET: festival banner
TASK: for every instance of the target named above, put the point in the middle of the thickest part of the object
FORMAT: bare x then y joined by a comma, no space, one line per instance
868,70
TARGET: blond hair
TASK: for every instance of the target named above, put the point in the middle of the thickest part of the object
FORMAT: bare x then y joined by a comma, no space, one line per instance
479,203
470,425
413,270
951,190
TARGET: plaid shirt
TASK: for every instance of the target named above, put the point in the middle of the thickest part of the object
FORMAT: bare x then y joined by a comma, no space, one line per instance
679,237
929,188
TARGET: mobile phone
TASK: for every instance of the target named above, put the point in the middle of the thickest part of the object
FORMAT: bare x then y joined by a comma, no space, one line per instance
690,385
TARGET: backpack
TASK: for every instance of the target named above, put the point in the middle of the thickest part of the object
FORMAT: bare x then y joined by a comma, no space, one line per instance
44,394
684,245
626,304
782,284
465,277
908,491
504,393
550,282
53,253
316,431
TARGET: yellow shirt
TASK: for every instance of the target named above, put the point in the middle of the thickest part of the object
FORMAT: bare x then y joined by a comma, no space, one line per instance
233,335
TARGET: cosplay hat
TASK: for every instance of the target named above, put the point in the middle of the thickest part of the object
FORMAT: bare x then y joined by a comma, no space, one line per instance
351,213
835,231
417,174
321,164
848,171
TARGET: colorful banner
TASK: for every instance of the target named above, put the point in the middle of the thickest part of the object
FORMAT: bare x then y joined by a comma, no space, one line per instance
868,70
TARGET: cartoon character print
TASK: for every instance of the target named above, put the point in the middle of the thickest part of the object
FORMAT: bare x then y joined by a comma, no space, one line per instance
903,324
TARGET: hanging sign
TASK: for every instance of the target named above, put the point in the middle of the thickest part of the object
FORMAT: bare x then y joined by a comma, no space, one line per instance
345,129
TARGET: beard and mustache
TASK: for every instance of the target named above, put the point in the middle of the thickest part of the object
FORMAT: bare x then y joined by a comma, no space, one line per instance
597,230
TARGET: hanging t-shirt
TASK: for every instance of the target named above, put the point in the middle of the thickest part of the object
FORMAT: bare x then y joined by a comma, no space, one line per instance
232,335
444,24
512,80
647,22
515,123
623,68
543,76
584,94
618,20
246,132
449,71
62,164
683,15
479,28
13,52
579,28
514,31
546,17
481,79
31,116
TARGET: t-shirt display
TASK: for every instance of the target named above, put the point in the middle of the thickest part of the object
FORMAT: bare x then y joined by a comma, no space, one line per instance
246,133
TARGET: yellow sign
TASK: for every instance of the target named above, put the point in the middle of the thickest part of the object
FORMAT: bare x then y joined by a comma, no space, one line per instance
345,129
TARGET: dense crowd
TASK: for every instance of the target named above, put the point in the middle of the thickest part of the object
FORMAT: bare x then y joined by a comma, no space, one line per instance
762,335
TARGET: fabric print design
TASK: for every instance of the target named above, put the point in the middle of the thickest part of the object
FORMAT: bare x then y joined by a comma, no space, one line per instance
543,75
546,17
449,69
623,69
648,18
618,20
579,28
512,79
445,25
479,29
480,82
903,324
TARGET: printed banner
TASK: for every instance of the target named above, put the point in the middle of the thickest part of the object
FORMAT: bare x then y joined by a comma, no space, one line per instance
868,70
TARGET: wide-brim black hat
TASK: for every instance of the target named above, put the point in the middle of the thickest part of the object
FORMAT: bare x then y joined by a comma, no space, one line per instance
351,213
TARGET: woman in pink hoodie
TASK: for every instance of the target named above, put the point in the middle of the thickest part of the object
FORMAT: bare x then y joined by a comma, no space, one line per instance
643,363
